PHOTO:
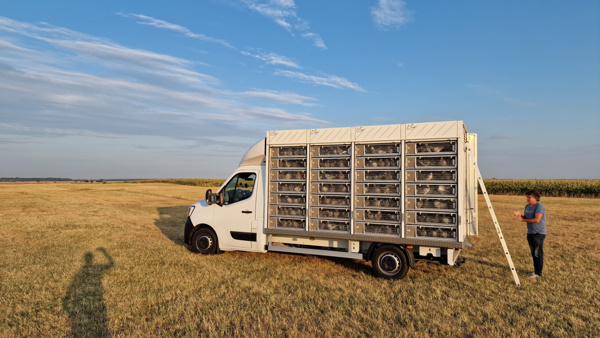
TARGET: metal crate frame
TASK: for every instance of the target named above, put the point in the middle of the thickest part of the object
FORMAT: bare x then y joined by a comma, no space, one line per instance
395,134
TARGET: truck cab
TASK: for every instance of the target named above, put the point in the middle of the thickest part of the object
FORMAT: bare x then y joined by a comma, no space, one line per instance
231,218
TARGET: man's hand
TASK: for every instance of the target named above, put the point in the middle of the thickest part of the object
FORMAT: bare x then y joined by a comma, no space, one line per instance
517,216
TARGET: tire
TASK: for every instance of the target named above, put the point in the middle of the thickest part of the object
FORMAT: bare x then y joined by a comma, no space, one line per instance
205,241
390,262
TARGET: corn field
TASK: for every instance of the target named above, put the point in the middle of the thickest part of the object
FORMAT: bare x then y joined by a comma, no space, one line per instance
554,188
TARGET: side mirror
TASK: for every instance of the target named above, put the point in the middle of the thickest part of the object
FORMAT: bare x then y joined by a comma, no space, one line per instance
209,197
221,200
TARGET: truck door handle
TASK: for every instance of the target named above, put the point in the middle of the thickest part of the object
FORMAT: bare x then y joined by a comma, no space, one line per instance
246,211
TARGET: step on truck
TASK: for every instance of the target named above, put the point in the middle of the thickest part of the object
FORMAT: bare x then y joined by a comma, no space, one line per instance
390,194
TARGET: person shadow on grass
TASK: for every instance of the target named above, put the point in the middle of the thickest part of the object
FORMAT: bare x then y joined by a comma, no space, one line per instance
84,301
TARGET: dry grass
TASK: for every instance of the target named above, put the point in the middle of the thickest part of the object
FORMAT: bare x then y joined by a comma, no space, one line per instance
157,287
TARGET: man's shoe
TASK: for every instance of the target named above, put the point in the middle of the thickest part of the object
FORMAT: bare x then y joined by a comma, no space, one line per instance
533,275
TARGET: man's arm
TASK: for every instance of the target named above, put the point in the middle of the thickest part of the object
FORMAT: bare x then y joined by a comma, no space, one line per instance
537,219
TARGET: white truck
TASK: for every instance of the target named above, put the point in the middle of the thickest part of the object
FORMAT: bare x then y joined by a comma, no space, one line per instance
389,194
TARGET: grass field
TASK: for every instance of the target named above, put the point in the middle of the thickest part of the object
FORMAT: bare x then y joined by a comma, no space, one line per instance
108,259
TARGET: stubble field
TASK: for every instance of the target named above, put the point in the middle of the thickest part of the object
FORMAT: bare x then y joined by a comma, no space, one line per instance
108,259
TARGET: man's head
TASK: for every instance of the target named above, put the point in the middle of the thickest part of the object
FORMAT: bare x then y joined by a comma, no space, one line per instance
531,195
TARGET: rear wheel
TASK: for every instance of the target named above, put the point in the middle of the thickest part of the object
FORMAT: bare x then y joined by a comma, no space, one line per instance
205,242
390,262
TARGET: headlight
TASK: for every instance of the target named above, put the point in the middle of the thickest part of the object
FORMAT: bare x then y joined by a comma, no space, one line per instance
191,210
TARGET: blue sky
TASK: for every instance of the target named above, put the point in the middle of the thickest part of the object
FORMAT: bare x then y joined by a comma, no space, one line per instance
148,89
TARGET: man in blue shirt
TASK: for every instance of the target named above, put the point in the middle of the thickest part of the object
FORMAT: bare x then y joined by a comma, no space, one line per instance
535,217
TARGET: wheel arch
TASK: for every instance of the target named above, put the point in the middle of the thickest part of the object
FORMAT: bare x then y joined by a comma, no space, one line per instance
192,229
375,245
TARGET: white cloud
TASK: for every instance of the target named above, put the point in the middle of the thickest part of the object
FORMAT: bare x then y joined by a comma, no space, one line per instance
390,13
283,97
278,11
284,13
329,80
90,87
273,59
317,40
7,47
150,21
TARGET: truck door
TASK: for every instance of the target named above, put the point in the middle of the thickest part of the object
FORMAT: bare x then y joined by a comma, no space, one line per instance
238,212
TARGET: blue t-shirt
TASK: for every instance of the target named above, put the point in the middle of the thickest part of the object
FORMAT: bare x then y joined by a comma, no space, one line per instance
536,228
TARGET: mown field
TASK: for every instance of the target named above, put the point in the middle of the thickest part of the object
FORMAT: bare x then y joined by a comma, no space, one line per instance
108,259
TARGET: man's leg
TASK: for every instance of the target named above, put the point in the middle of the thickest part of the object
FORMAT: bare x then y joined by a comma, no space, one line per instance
538,254
532,246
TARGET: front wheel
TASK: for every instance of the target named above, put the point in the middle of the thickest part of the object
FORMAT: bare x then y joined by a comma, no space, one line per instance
390,262
205,242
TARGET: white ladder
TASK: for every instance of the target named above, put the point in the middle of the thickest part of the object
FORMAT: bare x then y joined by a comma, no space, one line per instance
498,230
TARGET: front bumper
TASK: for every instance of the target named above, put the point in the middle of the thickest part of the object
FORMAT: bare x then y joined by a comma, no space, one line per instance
187,232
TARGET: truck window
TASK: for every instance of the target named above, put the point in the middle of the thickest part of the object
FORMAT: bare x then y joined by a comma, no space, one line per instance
239,188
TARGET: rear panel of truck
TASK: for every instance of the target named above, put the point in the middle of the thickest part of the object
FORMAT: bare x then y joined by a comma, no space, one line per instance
405,184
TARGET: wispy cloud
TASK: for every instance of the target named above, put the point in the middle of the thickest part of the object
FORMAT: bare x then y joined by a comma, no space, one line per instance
316,39
329,80
390,14
284,13
500,95
80,85
283,97
280,11
273,58
150,21
7,47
